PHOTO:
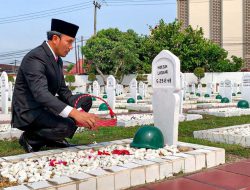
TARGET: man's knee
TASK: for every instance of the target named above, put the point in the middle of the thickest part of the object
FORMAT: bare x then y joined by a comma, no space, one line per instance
66,128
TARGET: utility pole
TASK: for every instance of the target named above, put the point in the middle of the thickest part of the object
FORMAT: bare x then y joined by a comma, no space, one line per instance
76,56
81,52
97,5
15,66
82,45
78,59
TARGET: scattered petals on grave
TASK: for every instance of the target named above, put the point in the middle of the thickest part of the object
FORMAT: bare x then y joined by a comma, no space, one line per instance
68,163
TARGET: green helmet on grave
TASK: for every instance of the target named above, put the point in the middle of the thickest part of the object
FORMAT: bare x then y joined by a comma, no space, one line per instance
139,97
243,104
218,97
148,137
206,95
103,107
224,100
131,100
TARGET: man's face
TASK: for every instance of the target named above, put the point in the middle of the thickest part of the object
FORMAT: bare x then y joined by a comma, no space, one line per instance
63,44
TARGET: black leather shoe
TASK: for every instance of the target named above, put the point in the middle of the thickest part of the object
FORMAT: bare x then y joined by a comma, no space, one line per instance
61,144
23,141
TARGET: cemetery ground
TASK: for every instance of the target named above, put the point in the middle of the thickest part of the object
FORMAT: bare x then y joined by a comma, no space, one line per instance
186,129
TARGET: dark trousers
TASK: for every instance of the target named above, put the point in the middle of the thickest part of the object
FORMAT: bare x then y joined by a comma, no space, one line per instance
48,127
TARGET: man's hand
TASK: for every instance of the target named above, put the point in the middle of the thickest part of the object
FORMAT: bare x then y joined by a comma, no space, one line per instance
85,118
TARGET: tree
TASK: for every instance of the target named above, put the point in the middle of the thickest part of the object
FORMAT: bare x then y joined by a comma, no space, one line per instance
114,52
70,79
199,72
141,77
70,67
11,78
190,46
92,77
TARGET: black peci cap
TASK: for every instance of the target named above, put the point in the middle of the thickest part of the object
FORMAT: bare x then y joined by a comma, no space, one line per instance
63,27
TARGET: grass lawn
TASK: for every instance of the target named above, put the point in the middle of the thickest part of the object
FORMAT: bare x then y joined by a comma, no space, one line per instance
185,135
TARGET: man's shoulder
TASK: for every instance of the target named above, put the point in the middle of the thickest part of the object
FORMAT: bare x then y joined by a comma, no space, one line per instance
37,52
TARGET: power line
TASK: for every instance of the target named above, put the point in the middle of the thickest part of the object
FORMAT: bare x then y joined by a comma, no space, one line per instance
45,14
77,7
46,11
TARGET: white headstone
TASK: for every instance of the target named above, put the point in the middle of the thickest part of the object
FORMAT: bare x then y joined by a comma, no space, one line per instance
181,93
199,88
90,89
235,88
221,89
10,91
111,85
240,87
4,92
228,90
245,91
185,90
145,89
133,89
166,101
96,88
193,88
209,88
142,89
214,88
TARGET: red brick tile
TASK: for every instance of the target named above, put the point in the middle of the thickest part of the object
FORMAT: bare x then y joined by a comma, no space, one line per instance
181,184
222,179
242,168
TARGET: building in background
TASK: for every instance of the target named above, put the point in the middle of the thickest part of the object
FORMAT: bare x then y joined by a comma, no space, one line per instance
226,22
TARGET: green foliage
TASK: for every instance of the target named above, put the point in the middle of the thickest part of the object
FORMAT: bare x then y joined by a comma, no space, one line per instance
72,88
11,79
141,77
70,67
70,79
91,77
199,72
190,46
114,52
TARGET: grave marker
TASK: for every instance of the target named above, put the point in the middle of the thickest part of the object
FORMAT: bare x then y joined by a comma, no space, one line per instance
111,85
142,89
209,88
4,92
221,89
96,88
228,90
181,93
166,101
133,89
245,90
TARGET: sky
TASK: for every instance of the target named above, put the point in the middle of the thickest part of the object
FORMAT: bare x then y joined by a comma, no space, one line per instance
24,23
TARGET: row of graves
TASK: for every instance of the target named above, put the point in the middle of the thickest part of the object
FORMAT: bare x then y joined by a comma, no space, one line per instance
153,154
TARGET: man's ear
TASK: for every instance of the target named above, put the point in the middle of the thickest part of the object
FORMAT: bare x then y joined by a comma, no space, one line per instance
55,38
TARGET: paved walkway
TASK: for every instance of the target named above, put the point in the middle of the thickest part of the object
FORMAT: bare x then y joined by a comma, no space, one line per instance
234,176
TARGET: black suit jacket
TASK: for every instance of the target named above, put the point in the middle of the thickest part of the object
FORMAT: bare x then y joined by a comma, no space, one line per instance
38,80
